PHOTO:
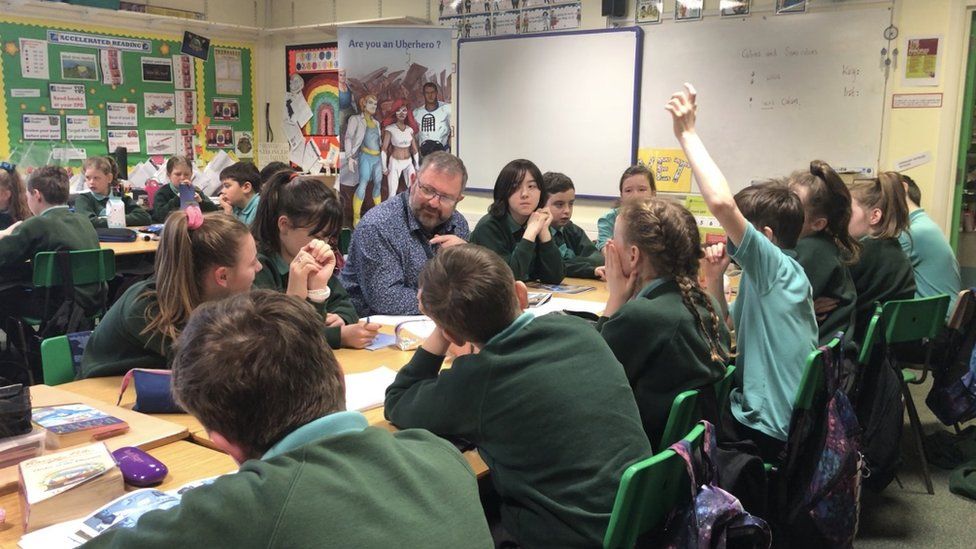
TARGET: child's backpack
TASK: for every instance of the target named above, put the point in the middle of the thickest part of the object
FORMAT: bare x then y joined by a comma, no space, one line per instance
713,518
953,395
816,494
880,410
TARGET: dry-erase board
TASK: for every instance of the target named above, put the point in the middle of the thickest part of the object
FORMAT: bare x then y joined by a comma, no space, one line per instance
775,91
567,101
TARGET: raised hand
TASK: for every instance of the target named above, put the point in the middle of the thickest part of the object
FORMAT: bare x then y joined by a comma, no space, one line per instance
682,106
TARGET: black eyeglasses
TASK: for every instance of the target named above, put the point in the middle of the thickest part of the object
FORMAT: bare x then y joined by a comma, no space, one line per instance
428,192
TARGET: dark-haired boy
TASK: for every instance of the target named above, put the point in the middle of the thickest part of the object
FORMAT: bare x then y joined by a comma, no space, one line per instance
311,475
52,228
776,329
239,196
579,253
544,400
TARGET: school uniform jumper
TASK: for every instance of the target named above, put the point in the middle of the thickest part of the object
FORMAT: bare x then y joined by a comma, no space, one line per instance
552,415
55,229
528,260
776,331
93,207
118,343
829,277
882,274
167,199
663,352
604,228
249,211
333,482
274,276
935,265
580,256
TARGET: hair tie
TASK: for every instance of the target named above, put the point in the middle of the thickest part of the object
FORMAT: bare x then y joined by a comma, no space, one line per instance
8,167
293,176
194,217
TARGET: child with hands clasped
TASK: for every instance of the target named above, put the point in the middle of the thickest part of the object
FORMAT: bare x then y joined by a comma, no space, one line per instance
295,218
179,171
659,322
517,225
773,314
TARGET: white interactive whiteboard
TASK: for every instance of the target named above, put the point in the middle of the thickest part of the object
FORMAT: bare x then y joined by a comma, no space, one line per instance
774,91
567,101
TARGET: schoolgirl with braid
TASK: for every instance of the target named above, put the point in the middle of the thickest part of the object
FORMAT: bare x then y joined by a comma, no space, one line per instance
660,324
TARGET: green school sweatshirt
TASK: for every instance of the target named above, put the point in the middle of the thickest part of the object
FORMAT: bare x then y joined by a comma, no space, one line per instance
579,254
829,277
274,276
663,352
167,200
528,260
55,229
88,205
344,486
118,345
883,273
552,415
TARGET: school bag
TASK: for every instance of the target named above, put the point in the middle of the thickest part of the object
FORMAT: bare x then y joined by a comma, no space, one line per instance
880,410
952,397
816,492
713,518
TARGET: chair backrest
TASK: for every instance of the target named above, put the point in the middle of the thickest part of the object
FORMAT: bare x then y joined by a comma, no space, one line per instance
87,267
905,320
724,387
683,416
345,239
59,355
648,491
813,379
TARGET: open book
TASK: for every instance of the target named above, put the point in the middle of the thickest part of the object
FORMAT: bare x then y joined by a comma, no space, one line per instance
122,512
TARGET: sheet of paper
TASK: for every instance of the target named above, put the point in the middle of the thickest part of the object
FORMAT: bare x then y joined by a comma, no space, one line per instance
161,142
83,127
381,341
111,61
393,320
297,109
564,304
227,70
184,72
186,106
33,59
122,114
368,389
68,96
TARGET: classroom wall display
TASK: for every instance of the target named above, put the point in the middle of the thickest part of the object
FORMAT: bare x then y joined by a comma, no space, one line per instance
649,11
922,61
589,132
385,68
734,8
687,10
671,169
114,88
790,6
480,18
312,71
773,93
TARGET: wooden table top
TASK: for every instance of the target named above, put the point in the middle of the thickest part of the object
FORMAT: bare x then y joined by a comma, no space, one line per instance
186,462
132,248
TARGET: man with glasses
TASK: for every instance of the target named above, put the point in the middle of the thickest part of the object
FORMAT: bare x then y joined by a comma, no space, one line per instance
394,240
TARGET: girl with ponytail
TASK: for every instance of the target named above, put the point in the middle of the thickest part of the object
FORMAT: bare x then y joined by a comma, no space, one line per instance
660,324
883,272
200,258
826,247
296,217
13,196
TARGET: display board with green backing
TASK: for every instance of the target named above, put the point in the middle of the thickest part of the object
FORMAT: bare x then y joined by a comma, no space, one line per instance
17,92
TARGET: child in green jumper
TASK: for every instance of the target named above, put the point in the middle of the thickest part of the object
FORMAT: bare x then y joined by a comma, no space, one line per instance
879,214
179,171
292,227
773,314
659,322
101,176
826,248
241,183
517,225
197,261
253,369
52,228
577,250
13,196
544,400
636,183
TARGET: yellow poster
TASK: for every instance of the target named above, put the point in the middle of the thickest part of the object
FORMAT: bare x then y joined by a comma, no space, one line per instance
672,172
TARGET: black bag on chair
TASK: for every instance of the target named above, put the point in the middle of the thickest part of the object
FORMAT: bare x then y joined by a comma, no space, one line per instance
15,409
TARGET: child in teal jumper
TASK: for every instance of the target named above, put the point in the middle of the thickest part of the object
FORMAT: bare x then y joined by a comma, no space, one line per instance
241,185
254,371
773,314
636,183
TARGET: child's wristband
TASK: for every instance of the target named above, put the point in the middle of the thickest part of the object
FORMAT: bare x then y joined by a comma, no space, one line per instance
319,296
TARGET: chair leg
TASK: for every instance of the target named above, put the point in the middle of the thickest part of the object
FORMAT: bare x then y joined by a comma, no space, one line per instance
916,428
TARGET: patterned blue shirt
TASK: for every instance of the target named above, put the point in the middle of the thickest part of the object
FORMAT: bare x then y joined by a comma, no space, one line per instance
389,249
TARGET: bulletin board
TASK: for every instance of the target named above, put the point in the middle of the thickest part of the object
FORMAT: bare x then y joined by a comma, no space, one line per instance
216,114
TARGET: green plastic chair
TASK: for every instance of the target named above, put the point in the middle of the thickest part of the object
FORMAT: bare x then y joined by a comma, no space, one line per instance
345,239
905,321
683,416
724,387
56,361
648,491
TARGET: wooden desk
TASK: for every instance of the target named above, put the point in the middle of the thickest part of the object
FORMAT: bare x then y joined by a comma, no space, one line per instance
132,248
186,462
144,431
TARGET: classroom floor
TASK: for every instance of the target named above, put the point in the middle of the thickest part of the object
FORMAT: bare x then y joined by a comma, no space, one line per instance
908,516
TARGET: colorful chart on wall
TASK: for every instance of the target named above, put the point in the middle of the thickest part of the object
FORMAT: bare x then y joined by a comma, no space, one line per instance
313,68
107,88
